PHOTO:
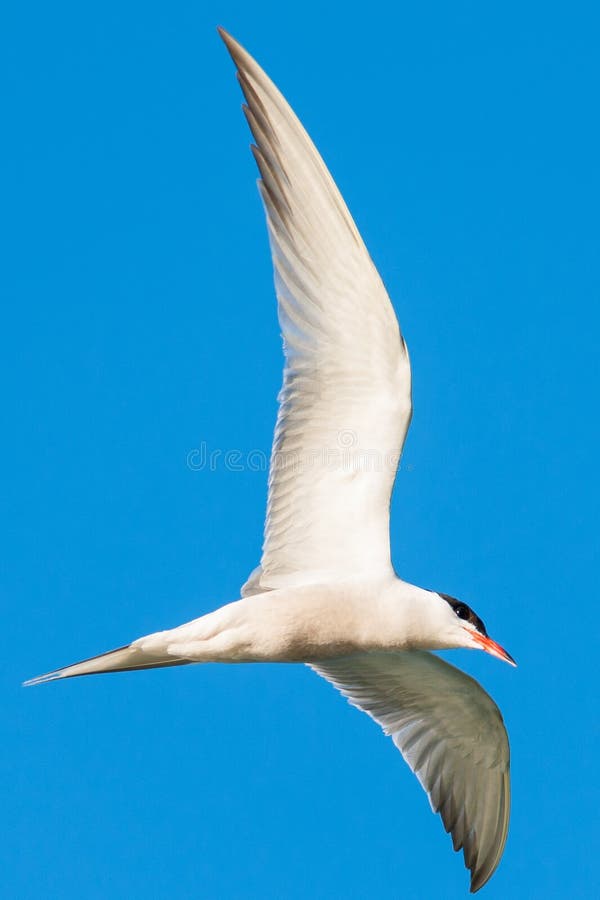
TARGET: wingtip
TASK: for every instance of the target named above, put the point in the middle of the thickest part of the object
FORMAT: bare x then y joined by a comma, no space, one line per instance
229,41
481,872
239,54
475,884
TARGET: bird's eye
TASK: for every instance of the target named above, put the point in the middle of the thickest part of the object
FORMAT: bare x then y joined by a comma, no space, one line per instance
462,610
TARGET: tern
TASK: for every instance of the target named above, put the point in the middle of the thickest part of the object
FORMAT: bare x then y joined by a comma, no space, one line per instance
325,592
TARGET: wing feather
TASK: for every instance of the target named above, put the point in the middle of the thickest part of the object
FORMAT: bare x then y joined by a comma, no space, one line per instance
451,734
345,403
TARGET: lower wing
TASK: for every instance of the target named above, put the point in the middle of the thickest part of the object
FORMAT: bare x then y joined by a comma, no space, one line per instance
451,734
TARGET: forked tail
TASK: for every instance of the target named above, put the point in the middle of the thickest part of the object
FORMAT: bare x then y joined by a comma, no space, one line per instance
124,659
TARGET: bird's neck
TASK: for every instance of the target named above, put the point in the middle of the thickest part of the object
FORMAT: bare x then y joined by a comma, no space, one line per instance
415,618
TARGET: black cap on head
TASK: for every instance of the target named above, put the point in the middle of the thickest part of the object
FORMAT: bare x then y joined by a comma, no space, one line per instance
464,612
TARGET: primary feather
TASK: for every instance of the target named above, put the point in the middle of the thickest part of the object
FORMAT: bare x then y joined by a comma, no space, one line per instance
451,734
345,403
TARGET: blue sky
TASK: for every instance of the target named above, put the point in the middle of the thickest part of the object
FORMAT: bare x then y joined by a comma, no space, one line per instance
139,324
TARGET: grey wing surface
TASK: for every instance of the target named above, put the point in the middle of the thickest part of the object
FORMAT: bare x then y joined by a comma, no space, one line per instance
451,734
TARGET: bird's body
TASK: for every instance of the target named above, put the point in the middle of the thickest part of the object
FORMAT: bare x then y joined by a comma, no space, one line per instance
325,592
316,621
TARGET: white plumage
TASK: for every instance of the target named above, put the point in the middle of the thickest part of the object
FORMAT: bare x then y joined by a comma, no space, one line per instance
346,395
325,592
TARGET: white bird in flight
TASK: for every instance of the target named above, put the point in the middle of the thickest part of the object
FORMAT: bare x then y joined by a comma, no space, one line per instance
325,592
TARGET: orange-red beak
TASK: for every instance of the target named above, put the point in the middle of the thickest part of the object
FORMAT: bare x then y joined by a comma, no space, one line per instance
491,647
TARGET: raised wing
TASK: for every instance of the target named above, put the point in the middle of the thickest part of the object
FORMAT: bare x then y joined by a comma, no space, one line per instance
451,734
345,404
